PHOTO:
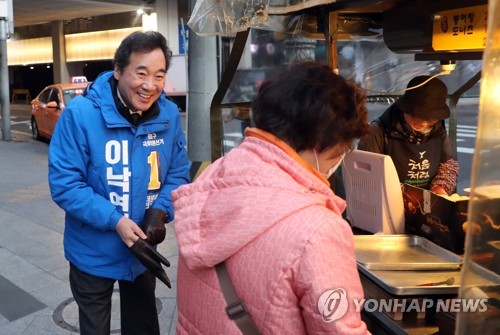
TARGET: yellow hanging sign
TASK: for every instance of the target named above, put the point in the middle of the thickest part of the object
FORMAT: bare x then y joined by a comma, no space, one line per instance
460,29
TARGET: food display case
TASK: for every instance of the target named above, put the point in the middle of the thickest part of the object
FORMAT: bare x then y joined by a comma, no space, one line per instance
483,223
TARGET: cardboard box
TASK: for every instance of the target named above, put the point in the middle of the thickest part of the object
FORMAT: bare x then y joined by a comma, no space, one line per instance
437,218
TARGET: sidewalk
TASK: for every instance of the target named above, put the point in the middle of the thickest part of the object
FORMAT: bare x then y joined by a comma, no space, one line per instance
35,296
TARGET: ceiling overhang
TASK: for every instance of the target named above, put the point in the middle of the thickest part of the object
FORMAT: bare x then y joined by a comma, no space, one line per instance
32,12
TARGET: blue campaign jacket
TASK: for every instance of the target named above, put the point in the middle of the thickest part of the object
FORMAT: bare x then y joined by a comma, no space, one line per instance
101,168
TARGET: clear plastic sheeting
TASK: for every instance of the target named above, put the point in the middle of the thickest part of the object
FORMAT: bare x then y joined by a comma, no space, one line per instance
369,62
482,250
227,17
365,60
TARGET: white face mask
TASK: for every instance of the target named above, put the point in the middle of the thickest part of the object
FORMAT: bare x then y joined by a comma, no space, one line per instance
425,131
330,171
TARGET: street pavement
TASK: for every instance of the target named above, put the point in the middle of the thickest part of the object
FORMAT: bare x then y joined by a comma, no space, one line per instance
35,296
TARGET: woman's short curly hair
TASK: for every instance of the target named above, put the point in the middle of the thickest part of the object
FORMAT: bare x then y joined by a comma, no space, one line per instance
308,106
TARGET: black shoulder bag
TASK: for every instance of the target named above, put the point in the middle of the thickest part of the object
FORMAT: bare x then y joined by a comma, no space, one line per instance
235,308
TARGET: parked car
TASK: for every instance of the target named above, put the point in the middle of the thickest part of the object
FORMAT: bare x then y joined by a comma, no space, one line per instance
48,106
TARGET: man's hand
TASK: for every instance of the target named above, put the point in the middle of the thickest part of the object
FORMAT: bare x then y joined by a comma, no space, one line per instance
151,259
129,231
135,239
153,225
439,190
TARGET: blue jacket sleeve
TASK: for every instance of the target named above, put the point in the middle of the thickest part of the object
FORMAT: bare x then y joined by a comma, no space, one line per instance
69,157
178,172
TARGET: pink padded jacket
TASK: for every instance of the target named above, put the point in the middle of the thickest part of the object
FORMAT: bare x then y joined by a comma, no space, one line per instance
280,229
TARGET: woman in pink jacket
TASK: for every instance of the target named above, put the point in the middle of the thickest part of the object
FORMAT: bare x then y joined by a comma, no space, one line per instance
267,211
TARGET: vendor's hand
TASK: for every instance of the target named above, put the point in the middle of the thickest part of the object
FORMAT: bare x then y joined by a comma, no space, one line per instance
129,231
439,190
151,259
153,225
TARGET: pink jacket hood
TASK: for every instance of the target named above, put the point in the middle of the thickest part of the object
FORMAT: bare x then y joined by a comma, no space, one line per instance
212,226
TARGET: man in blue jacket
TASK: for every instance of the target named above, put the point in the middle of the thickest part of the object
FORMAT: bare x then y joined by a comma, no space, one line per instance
117,153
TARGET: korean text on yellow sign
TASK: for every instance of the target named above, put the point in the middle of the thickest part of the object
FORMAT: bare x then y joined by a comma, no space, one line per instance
460,29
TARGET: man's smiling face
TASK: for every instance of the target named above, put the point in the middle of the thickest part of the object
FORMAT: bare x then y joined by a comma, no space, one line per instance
142,80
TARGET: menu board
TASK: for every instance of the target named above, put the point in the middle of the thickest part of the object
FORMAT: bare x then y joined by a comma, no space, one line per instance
460,29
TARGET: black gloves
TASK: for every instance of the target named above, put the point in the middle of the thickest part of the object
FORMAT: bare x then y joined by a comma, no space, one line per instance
151,259
153,225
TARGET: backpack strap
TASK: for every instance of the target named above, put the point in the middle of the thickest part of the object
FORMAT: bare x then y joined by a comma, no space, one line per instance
235,308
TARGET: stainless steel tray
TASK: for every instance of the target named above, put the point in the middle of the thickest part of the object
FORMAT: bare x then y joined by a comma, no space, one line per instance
406,283
409,265
403,253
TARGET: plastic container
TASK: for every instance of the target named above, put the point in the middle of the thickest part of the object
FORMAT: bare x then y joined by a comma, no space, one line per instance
483,221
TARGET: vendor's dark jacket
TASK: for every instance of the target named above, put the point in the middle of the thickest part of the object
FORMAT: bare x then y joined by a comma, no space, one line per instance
416,157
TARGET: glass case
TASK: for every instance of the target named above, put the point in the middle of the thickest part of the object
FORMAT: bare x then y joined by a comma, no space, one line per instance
479,304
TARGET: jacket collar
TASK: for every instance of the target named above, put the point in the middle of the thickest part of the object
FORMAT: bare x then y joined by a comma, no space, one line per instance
268,137
394,125
101,93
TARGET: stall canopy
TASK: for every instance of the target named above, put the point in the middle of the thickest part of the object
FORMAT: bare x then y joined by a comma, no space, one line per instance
378,41
227,17
380,44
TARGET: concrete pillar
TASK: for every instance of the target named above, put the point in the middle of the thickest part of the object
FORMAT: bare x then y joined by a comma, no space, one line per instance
4,81
59,68
168,22
203,77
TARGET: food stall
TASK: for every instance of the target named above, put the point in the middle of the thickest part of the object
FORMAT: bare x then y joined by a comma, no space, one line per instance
382,44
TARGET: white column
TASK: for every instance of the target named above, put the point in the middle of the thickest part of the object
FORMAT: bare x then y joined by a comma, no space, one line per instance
4,81
59,68
168,22
202,84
